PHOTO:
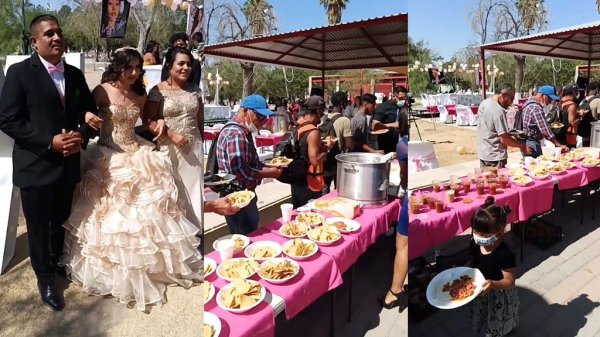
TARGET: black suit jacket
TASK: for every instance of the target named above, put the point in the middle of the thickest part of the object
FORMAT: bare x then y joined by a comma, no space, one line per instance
32,113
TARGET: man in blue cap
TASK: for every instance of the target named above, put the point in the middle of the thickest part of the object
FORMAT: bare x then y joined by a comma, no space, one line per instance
237,155
535,126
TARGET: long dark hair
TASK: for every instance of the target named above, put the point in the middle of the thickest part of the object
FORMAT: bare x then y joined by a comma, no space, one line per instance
172,55
150,48
119,62
490,218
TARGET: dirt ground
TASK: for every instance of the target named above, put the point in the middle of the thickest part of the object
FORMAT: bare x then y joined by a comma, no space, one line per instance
446,139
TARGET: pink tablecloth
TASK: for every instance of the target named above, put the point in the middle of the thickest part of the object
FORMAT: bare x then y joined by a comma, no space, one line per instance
474,109
429,228
451,109
258,322
271,140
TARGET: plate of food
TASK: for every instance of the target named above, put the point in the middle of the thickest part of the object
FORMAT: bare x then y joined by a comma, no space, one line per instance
279,162
556,170
324,235
218,179
210,266
241,241
310,218
212,325
556,125
516,172
379,132
294,229
455,287
240,199
590,162
333,139
237,269
514,166
241,296
263,250
300,249
521,180
546,157
278,270
343,225
539,175
209,291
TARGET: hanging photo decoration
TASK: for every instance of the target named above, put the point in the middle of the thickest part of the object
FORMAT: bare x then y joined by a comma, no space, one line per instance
115,14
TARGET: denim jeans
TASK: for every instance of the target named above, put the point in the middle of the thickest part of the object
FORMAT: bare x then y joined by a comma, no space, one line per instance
244,221
536,148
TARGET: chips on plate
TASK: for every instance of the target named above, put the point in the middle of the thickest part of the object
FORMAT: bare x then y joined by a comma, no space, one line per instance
239,268
294,229
280,269
209,331
300,248
310,218
208,289
240,294
324,234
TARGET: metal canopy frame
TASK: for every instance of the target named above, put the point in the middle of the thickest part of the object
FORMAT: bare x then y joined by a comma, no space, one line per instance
578,43
372,43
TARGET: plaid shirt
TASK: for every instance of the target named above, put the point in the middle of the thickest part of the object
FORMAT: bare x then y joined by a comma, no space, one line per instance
236,154
534,123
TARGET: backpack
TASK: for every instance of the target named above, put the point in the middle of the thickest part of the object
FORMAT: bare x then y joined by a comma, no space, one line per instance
289,147
327,129
519,116
585,127
212,164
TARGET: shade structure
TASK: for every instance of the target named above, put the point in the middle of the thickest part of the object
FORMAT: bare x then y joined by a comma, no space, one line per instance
372,43
579,42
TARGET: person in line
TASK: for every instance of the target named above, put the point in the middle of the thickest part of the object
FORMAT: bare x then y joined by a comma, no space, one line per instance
128,235
535,127
569,116
493,139
396,295
338,126
360,129
237,155
312,151
591,110
495,312
387,116
179,40
45,118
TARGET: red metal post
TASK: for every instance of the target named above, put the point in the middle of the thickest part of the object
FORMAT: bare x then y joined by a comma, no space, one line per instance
589,74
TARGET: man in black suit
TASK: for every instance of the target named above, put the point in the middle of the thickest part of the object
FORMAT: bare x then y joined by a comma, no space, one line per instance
44,106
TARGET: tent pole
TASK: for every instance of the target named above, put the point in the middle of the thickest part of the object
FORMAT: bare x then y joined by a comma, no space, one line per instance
589,75
323,82
482,69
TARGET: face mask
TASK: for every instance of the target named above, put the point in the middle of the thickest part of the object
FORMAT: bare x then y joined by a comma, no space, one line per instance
484,241
400,103
251,127
548,108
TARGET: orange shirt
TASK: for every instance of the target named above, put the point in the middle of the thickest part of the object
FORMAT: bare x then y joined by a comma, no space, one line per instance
314,178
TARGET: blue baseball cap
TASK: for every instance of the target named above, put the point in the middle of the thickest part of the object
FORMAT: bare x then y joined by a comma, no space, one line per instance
549,91
258,104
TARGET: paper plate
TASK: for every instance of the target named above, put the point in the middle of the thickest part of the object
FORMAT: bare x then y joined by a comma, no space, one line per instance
311,233
248,251
279,260
263,293
214,322
209,262
221,266
527,181
268,163
441,299
299,258
211,292
380,132
246,203
224,179
351,225
230,236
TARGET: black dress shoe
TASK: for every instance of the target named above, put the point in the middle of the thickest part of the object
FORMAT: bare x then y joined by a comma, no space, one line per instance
51,296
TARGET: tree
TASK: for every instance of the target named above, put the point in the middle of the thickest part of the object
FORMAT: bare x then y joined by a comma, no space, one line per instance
418,78
334,10
253,18
144,17
508,19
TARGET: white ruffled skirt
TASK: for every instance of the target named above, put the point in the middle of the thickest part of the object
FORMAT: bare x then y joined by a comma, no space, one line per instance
127,235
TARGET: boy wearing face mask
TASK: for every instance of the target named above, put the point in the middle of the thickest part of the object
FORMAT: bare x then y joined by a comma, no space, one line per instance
237,155
495,312
386,116
535,126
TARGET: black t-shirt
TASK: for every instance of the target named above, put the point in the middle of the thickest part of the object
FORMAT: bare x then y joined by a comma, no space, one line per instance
491,265
387,112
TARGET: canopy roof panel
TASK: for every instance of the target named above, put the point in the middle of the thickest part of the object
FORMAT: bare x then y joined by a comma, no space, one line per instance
580,42
371,43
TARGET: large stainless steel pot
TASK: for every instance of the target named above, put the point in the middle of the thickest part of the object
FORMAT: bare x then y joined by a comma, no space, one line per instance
363,177
595,135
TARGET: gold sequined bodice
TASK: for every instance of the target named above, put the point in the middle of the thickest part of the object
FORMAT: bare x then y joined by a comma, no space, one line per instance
179,109
118,128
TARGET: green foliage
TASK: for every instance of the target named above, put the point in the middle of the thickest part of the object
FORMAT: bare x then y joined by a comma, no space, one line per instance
418,81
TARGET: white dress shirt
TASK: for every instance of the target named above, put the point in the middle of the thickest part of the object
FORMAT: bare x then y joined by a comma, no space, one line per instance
57,77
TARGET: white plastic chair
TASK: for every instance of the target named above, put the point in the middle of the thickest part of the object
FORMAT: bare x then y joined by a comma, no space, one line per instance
453,99
421,157
445,117
462,115
218,126
424,101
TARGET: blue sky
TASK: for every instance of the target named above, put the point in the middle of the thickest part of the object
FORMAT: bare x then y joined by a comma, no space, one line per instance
445,24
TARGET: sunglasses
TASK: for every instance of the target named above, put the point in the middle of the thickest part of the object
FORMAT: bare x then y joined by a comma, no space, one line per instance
260,117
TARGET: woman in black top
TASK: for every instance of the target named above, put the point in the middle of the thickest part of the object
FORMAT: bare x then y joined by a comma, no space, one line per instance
496,311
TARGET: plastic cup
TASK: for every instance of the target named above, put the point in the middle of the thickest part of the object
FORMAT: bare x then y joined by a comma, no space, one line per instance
431,203
439,206
226,248
466,185
450,196
529,160
436,185
480,187
492,186
286,212
557,151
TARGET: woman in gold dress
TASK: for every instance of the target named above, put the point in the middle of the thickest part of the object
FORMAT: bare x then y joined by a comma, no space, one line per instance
128,235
